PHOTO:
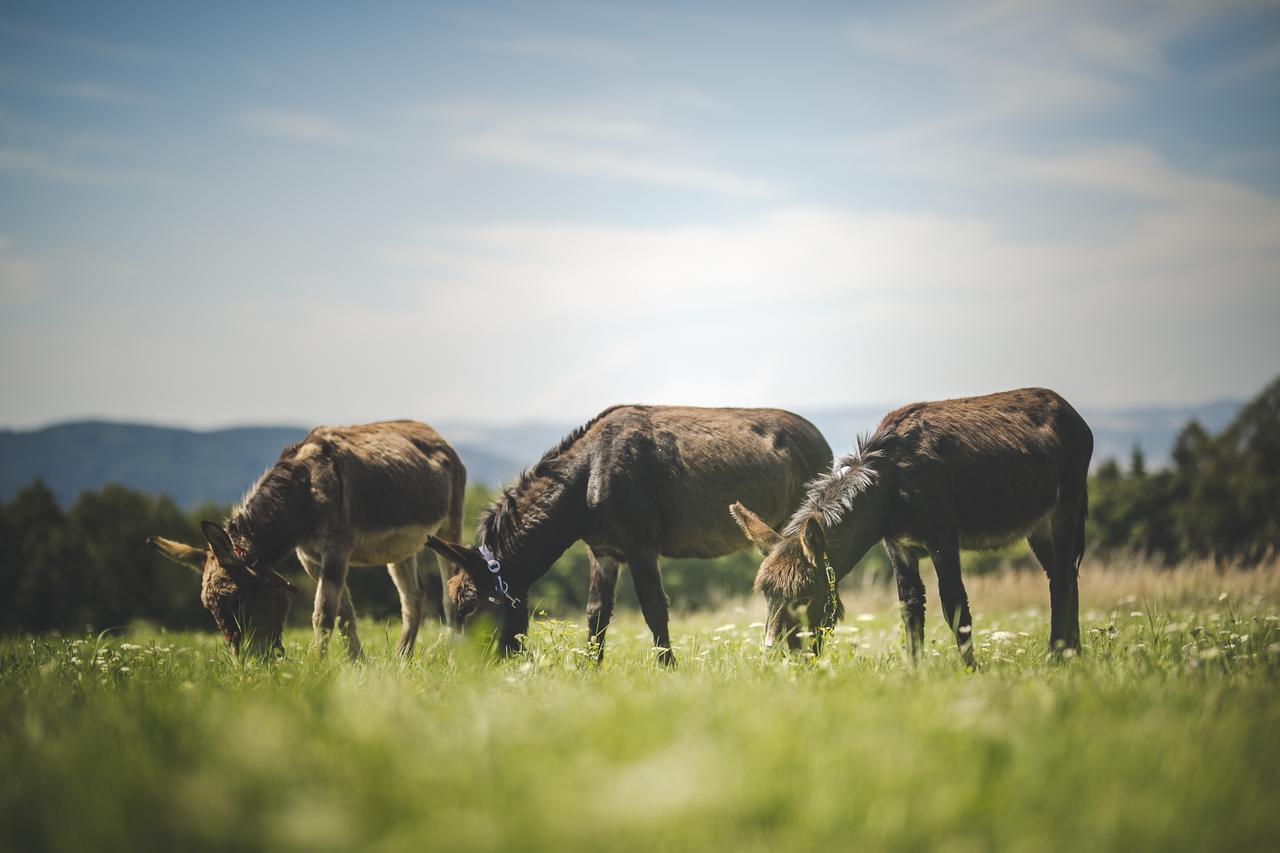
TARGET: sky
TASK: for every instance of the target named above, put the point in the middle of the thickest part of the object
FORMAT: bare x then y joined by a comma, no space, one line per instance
225,213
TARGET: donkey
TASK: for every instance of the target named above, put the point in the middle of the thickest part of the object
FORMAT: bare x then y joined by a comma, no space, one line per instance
635,483
976,474
359,495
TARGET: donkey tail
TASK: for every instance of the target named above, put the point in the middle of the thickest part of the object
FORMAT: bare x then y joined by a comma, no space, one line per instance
1082,515
1082,511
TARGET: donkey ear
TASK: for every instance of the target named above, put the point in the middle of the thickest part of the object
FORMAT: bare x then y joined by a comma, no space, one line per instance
467,559
753,525
220,544
814,541
182,554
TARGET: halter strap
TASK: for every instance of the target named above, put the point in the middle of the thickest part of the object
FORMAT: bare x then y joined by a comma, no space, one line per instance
495,569
833,598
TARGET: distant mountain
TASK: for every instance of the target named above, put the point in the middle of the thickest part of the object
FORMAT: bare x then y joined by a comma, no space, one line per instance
218,466
1117,431
191,467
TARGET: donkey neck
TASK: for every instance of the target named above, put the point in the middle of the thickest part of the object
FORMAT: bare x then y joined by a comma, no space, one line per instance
536,521
269,524
859,528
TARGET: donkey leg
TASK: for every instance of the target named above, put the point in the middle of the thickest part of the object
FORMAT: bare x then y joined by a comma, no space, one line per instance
347,624
434,589
405,576
911,595
653,602
329,587
435,595
601,594
955,601
1041,542
1064,590
451,531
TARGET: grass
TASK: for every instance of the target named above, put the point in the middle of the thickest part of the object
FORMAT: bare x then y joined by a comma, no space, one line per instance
1164,735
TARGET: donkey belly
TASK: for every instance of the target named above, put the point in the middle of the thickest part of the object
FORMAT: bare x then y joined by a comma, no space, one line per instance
994,540
379,547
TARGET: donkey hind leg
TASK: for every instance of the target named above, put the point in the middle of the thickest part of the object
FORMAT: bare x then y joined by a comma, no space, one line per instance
911,595
1041,542
1063,571
347,624
955,601
601,594
653,603
412,601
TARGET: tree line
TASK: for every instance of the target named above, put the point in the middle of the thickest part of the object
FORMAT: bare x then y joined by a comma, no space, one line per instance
87,566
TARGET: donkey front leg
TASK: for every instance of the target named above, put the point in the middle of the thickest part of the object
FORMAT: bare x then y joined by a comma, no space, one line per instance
347,624
955,601
601,593
653,602
329,588
911,596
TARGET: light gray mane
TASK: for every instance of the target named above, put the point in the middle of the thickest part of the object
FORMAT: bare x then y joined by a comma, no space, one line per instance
829,496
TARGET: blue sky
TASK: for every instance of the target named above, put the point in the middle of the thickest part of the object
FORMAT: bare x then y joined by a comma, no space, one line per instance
308,213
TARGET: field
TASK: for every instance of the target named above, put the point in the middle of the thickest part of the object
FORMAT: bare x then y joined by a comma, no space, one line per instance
1163,735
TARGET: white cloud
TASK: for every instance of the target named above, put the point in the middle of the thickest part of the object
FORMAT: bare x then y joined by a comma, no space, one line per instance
101,93
1004,61
586,143
817,305
52,167
298,127
20,277
579,51
76,43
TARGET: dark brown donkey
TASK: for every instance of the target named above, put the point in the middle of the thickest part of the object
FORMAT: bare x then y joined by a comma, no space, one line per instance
934,478
360,495
634,483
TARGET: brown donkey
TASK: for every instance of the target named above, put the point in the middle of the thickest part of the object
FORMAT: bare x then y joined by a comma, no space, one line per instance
359,495
635,483
934,478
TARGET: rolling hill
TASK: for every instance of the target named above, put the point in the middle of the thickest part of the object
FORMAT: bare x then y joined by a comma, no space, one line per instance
217,466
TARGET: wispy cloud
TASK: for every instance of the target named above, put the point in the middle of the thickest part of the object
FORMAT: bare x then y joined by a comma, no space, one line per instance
20,277
101,93
588,144
77,43
576,51
52,167
1143,302
999,62
298,127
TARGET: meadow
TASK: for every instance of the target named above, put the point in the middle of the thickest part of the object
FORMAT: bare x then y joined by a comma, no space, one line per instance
1164,734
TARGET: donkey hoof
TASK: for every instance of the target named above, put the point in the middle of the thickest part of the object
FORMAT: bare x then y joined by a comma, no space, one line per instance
666,658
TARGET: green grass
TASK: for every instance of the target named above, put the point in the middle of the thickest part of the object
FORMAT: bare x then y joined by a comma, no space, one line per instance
1164,735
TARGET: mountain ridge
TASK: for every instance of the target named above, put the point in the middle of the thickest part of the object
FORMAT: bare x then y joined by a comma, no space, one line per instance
217,466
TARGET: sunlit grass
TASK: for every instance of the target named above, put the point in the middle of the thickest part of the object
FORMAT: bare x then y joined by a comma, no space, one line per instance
1164,734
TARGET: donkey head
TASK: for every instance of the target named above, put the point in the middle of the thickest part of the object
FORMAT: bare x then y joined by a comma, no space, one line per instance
481,592
789,574
248,604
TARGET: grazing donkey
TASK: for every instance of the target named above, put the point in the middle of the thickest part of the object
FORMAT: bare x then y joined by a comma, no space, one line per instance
976,473
362,495
634,483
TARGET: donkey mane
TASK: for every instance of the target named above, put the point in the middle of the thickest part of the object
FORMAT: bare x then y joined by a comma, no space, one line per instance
502,525
829,496
266,519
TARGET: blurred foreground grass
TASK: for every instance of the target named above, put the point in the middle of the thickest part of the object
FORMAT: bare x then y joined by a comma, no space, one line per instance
1164,735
